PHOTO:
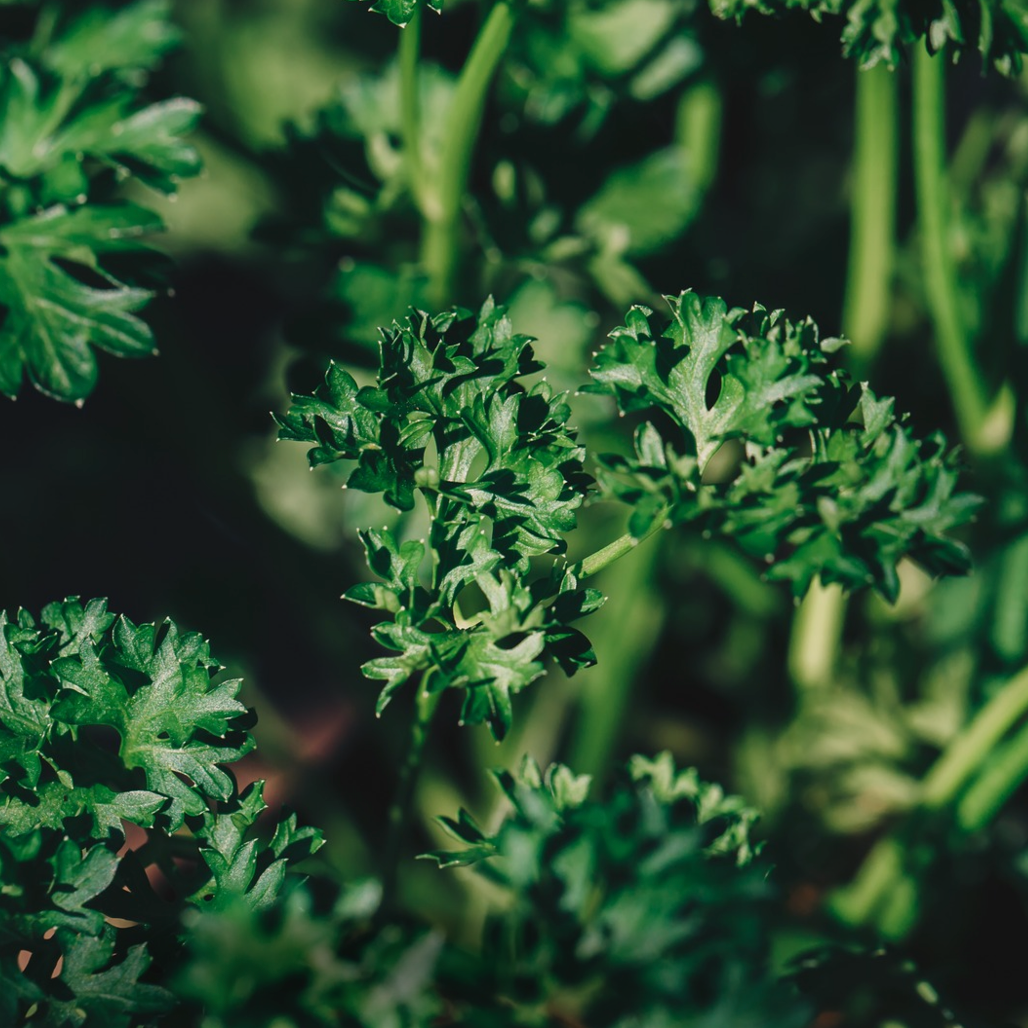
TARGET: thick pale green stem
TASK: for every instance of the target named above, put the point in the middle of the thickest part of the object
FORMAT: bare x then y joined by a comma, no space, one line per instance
410,106
441,242
816,635
400,813
985,428
883,893
872,214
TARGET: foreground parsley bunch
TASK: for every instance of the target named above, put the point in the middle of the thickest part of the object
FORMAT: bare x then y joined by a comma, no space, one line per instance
74,126
648,907
452,418
763,441
754,436
880,30
105,724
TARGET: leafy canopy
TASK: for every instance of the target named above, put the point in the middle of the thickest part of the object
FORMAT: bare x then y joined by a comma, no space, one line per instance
74,126
648,907
880,30
103,724
757,438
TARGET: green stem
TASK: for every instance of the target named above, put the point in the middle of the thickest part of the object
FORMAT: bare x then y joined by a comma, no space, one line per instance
970,748
441,241
410,107
983,431
401,811
983,801
602,558
873,214
816,636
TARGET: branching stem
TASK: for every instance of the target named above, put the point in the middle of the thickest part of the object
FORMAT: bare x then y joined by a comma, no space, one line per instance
441,241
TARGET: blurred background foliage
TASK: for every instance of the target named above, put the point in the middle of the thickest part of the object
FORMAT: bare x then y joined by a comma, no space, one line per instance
629,148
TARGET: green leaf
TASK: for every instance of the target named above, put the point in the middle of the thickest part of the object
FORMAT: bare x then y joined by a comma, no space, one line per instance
644,206
452,417
52,319
646,905
823,479
399,12
104,990
98,40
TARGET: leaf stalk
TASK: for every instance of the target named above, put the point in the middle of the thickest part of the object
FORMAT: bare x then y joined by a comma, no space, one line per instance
441,240
873,214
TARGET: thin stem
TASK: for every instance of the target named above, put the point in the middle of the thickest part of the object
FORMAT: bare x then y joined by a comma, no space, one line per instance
816,636
441,241
981,433
606,556
873,213
410,106
400,812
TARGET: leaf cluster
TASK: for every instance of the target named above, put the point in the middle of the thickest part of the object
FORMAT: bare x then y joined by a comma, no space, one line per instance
304,962
115,733
881,30
649,907
452,417
761,440
75,125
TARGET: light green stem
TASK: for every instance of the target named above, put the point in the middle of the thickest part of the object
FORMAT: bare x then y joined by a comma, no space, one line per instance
816,636
606,556
400,813
410,107
997,783
441,242
881,893
872,214
969,750
980,432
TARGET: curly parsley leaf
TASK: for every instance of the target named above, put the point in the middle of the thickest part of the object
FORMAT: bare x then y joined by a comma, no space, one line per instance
53,320
74,122
104,990
452,417
817,476
303,964
881,30
641,907
399,12
103,723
